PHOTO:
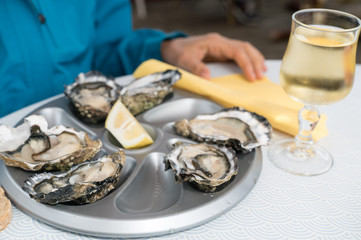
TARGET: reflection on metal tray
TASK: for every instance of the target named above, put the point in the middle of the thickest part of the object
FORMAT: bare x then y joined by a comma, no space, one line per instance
147,201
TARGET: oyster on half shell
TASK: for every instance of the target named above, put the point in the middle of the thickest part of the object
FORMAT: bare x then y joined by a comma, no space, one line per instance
32,146
209,168
148,91
234,127
83,183
92,96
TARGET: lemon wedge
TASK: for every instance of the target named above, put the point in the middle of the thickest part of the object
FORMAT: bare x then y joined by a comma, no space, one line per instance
126,128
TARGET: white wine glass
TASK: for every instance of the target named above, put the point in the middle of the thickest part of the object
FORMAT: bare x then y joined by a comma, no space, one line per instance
317,69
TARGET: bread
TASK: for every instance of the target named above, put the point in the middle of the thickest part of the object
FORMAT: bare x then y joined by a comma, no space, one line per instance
6,211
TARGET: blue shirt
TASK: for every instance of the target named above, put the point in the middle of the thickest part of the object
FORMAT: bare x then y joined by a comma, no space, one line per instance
37,59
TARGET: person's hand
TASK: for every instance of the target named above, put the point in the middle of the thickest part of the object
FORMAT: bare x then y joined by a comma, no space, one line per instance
191,53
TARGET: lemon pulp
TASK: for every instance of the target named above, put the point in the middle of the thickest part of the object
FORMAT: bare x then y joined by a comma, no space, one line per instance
126,128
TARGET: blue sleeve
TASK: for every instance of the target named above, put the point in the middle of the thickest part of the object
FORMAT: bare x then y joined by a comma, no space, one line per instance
142,45
118,48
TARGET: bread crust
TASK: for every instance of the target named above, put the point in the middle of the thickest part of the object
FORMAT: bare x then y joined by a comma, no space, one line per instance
6,211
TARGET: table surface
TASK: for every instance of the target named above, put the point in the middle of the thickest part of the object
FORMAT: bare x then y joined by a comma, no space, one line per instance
281,205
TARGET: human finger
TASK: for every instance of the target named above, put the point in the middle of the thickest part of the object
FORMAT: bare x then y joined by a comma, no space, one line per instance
250,60
247,57
242,58
197,67
257,59
191,59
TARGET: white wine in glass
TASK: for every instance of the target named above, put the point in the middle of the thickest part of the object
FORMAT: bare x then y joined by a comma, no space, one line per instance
317,69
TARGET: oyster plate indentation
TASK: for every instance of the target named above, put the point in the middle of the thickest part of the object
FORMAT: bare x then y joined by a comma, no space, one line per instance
145,195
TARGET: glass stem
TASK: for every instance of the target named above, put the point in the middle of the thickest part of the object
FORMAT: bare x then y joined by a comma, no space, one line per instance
308,118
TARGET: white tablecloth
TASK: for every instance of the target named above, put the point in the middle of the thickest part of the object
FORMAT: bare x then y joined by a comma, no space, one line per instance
281,205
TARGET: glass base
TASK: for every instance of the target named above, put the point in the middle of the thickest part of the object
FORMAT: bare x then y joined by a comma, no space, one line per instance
306,162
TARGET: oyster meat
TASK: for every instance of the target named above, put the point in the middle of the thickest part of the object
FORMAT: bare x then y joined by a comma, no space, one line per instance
32,146
92,96
234,127
83,183
148,91
209,168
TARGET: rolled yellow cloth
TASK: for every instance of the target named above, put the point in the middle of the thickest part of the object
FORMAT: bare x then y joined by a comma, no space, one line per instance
263,97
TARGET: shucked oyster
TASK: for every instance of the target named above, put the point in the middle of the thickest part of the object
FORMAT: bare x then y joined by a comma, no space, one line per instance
148,91
235,127
83,183
32,146
92,96
209,168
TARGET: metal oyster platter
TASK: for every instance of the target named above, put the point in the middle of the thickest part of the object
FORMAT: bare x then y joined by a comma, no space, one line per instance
146,201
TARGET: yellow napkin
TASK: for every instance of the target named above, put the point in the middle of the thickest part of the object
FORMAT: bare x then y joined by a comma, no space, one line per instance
263,97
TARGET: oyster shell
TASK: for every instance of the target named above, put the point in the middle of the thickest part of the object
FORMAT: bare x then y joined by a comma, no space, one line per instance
32,146
92,96
148,91
234,127
209,168
83,183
